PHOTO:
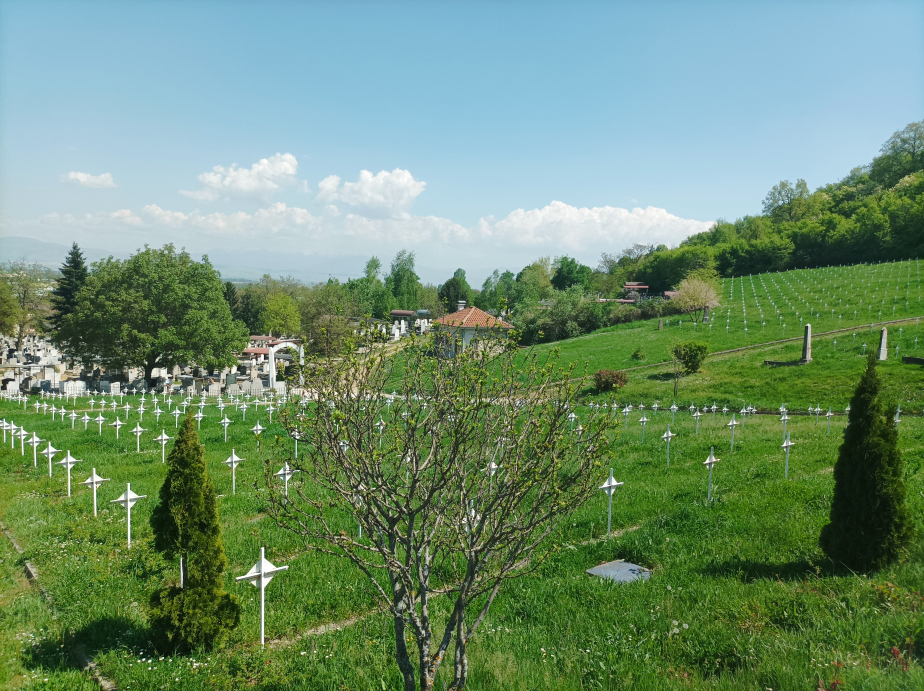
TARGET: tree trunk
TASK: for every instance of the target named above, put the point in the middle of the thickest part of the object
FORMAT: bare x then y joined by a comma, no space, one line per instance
404,660
461,657
148,370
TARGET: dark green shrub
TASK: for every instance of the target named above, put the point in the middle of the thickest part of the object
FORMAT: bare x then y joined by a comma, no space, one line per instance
870,525
608,379
638,354
185,522
690,355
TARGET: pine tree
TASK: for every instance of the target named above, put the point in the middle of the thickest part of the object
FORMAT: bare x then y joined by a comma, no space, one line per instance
201,614
64,296
870,525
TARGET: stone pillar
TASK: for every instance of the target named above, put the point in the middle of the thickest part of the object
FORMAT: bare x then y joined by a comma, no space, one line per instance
660,325
883,344
706,315
807,344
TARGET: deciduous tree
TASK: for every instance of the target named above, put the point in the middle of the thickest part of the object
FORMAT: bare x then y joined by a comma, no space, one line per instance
30,287
458,492
159,308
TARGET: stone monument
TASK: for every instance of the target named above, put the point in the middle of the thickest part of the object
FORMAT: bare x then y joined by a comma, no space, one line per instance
807,344
883,344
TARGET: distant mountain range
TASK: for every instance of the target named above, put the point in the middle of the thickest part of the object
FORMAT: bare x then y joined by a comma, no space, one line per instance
234,265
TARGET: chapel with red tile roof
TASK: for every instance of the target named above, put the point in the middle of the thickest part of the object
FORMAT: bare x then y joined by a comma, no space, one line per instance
464,325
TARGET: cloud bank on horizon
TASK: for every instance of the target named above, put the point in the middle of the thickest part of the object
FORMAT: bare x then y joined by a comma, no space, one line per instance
371,215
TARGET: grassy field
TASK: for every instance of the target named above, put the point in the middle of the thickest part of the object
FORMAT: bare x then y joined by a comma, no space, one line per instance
770,306
740,596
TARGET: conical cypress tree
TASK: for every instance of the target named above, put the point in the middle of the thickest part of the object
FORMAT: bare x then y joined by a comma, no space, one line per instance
870,525
64,296
185,524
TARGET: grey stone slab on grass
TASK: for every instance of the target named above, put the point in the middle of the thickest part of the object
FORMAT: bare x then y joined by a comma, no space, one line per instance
620,571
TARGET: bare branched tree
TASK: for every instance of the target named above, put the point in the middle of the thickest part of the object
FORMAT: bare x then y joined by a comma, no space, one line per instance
444,488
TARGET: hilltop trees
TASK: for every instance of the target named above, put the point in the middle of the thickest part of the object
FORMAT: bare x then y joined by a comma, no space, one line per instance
870,525
159,308
198,614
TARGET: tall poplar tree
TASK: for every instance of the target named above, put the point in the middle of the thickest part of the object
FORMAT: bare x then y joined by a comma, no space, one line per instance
200,615
870,525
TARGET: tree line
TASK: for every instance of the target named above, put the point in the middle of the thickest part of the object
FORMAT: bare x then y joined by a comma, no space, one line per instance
876,213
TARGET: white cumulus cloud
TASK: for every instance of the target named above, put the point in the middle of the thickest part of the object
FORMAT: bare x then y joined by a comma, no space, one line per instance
262,179
87,180
381,195
276,219
100,219
560,225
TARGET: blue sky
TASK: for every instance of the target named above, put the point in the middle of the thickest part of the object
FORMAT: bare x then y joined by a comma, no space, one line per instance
492,133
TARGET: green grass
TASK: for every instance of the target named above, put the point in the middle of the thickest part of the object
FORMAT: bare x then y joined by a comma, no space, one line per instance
756,604
746,299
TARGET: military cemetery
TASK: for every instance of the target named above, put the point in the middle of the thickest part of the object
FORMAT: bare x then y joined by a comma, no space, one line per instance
505,346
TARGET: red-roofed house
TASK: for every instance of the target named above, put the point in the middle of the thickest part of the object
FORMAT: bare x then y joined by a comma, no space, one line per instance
470,322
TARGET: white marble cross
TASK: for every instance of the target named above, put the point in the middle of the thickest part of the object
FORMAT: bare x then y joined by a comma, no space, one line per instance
286,473
609,487
93,482
732,425
709,462
260,576
224,422
49,453
128,500
68,462
163,439
35,441
786,446
667,436
232,462
138,431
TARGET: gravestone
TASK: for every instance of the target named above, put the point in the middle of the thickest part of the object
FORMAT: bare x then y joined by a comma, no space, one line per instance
883,344
706,315
807,344
620,571
660,325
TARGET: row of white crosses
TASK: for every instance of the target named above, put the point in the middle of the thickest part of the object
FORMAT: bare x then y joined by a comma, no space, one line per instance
262,572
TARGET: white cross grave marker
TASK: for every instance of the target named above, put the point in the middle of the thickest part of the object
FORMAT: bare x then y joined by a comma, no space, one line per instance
93,482
709,462
732,425
163,439
138,431
49,453
260,576
232,462
786,446
667,436
68,462
609,487
286,474
128,500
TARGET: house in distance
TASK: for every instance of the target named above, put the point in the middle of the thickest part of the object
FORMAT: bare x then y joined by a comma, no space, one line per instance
467,323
